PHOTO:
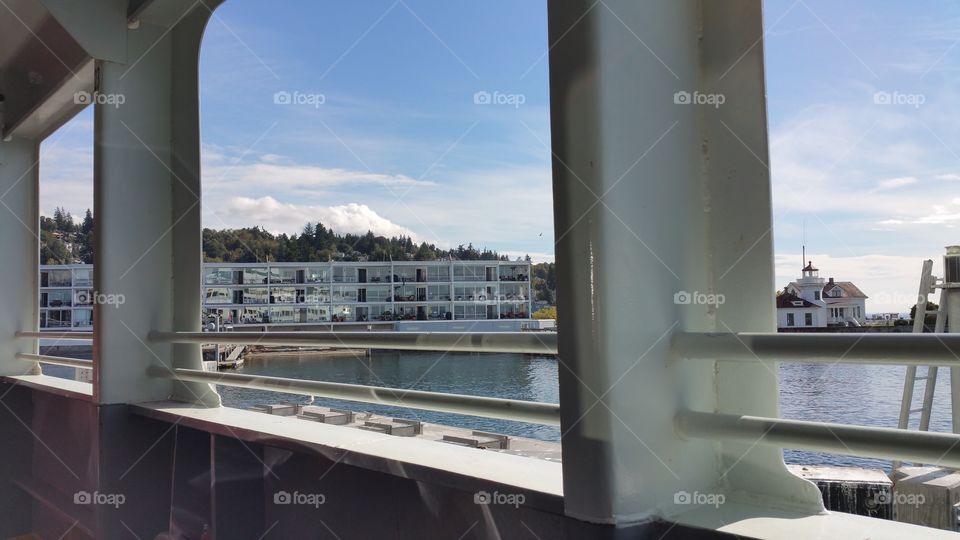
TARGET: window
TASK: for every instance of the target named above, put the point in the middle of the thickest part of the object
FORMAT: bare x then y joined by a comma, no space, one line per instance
283,295
222,276
285,275
808,319
344,275
218,295
438,273
464,272
790,319
318,275
816,295
82,277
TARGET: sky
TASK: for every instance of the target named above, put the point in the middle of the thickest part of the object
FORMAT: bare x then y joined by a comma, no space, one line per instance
365,115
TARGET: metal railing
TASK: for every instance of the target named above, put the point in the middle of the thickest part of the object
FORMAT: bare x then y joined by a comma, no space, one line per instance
56,360
861,348
55,335
901,349
500,342
883,443
504,409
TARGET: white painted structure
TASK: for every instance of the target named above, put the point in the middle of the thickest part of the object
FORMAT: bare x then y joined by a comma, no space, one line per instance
659,401
812,302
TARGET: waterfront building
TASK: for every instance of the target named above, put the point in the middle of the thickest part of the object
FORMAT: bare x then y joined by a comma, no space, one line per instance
813,302
305,294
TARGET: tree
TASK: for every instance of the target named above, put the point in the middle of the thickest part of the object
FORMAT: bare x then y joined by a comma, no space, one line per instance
546,313
929,321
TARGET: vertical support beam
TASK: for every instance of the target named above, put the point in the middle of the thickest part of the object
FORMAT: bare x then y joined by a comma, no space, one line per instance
19,236
951,297
148,229
684,205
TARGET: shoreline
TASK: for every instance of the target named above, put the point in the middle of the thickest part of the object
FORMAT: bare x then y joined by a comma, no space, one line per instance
286,352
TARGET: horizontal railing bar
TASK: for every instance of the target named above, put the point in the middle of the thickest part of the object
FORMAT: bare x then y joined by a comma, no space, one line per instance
503,342
56,360
504,409
54,335
853,348
871,442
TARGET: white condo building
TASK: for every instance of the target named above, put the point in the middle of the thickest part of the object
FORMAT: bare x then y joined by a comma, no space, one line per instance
813,302
305,294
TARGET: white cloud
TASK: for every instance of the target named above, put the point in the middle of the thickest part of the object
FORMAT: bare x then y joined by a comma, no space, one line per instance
951,177
893,183
288,218
271,171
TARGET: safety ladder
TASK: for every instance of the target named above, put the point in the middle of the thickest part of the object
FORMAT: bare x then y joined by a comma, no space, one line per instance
928,283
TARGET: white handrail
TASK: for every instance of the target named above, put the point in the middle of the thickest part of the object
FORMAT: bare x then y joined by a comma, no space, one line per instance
55,335
504,342
504,409
853,348
56,360
883,443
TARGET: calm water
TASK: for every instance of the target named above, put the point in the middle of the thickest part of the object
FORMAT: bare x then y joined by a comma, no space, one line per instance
847,394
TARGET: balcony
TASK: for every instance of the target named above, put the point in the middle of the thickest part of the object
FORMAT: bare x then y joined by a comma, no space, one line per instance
656,399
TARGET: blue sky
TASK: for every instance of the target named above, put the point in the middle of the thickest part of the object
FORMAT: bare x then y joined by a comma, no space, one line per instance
399,145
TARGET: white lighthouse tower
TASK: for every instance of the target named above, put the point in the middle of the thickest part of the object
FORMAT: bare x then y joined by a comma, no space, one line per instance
810,285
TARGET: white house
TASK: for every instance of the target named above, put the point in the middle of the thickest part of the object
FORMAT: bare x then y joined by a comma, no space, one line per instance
814,302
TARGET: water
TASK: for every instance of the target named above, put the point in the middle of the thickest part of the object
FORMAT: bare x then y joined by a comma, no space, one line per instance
841,393
497,375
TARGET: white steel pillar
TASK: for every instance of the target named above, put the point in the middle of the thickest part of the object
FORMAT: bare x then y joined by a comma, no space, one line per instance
19,236
951,296
656,199
146,194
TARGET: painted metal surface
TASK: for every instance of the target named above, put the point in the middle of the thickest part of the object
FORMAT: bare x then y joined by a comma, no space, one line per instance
872,348
655,196
146,194
915,446
56,360
506,409
509,342
19,236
